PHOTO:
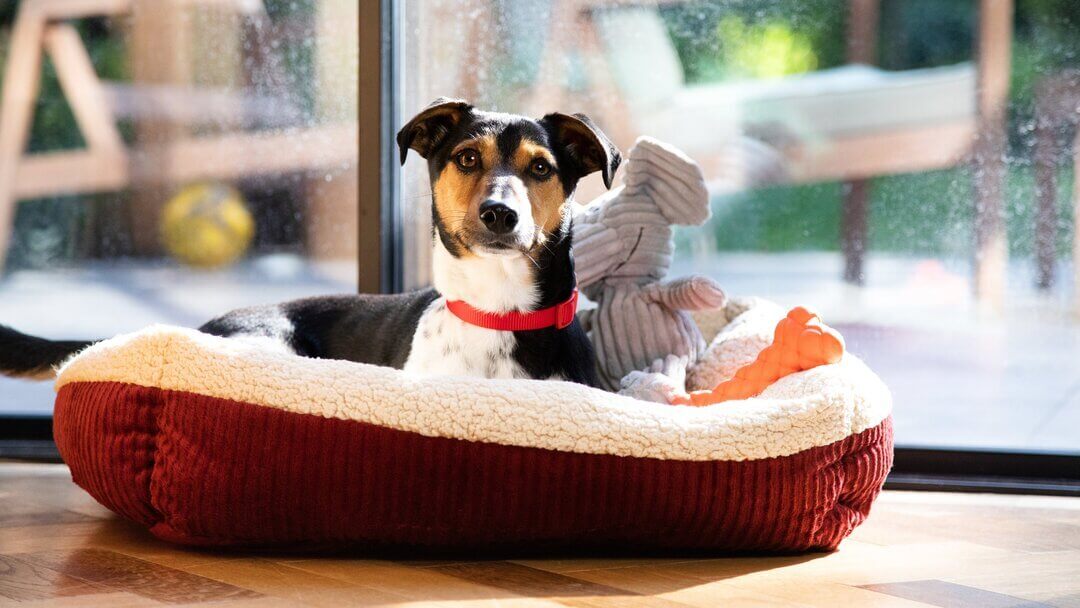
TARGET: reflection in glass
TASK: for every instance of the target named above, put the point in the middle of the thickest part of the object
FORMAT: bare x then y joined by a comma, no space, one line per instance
179,158
907,167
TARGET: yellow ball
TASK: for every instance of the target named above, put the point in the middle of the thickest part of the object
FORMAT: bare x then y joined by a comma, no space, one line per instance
207,225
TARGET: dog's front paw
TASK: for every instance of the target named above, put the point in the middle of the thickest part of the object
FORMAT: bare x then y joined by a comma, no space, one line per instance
661,382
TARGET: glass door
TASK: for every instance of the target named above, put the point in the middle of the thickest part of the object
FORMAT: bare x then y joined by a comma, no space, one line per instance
905,167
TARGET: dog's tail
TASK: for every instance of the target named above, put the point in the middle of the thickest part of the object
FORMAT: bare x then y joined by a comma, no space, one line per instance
33,358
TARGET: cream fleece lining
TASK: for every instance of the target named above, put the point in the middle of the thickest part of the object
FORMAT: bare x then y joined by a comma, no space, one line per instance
802,411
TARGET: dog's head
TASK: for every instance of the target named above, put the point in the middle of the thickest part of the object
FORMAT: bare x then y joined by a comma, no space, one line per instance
501,183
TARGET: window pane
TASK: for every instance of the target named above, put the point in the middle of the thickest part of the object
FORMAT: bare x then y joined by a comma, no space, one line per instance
205,161
906,167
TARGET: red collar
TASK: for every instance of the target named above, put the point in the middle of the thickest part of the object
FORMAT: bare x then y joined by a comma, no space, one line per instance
559,316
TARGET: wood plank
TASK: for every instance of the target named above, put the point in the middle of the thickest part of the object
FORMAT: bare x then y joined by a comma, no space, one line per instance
43,501
951,595
125,573
916,550
114,599
60,10
82,88
22,78
371,151
1045,577
887,153
671,583
191,106
160,51
224,157
11,517
46,174
333,217
862,30
1023,523
405,581
286,582
23,582
532,582
994,56
53,536
824,593
568,565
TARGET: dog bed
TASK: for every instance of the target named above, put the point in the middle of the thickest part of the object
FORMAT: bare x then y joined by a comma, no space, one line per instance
215,442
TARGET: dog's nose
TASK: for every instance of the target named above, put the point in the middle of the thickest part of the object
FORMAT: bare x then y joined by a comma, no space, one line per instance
498,218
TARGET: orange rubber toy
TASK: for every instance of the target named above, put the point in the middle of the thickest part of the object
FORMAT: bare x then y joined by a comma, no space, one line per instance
801,342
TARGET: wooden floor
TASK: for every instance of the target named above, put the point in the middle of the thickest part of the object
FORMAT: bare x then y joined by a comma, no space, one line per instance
59,548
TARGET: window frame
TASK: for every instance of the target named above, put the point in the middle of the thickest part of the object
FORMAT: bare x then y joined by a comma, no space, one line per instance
27,438
381,237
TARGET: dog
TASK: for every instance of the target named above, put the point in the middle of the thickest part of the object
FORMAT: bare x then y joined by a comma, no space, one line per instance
504,294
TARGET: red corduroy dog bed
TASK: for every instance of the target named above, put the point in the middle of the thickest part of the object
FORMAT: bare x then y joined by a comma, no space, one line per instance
215,442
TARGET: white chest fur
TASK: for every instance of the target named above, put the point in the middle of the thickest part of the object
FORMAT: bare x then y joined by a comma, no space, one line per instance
444,344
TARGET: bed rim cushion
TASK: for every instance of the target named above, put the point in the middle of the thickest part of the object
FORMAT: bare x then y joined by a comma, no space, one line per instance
803,411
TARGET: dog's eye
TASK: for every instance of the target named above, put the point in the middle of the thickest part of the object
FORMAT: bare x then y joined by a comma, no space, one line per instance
540,168
467,159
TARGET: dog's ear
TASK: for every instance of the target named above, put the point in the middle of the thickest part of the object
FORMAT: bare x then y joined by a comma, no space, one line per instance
584,143
427,129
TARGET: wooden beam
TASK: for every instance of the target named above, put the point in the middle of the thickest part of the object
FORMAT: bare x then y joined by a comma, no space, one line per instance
159,53
332,217
222,157
22,77
994,55
371,146
244,7
863,18
82,88
63,10
905,150
192,106
72,172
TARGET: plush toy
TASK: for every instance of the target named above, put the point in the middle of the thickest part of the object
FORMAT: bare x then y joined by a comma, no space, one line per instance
800,342
622,249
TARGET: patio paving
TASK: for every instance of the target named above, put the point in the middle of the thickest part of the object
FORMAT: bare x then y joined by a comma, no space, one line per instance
960,376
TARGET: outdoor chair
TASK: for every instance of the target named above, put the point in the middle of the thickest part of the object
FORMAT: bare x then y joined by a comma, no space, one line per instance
848,123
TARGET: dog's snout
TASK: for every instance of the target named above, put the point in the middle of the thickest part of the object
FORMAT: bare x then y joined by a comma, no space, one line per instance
498,217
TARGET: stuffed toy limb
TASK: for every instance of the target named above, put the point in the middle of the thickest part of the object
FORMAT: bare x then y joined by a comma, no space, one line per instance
661,382
688,293
622,249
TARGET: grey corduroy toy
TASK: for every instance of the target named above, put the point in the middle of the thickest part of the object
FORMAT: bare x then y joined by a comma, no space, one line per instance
622,250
